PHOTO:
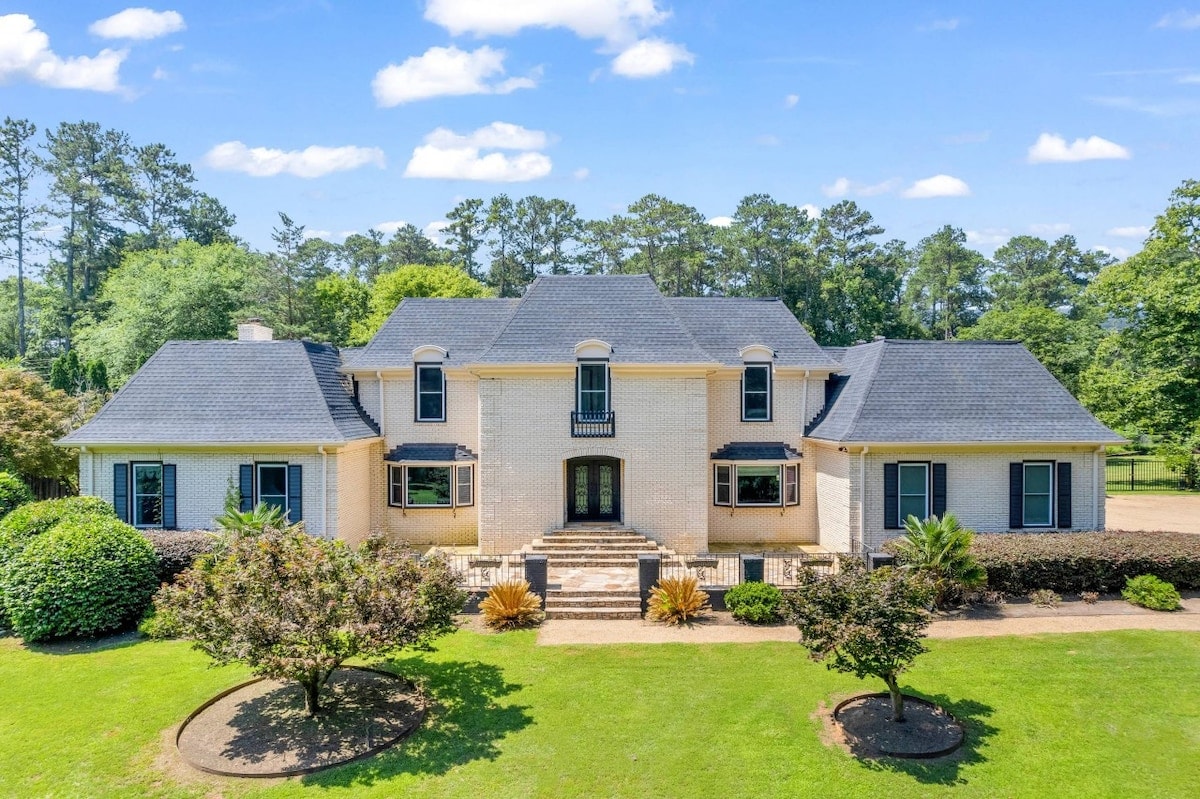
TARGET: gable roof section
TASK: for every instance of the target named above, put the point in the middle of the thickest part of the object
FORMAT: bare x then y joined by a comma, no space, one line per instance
723,325
444,453
951,391
462,327
225,392
755,451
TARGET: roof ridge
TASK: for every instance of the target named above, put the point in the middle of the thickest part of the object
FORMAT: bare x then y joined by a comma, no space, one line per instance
870,376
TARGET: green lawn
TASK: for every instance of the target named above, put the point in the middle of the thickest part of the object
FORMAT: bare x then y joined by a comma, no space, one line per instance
1091,715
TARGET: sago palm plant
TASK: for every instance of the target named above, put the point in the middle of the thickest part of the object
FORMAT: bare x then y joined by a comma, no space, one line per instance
941,549
509,605
676,600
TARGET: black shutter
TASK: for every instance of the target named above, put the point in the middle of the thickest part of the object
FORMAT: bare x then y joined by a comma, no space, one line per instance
939,490
246,487
168,496
295,492
1064,495
1016,495
121,491
891,496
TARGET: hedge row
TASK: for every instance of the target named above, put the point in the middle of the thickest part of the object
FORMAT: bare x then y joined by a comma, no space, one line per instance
1070,563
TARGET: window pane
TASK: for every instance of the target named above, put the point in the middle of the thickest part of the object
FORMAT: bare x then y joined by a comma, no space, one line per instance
792,479
592,402
912,506
758,485
430,378
722,490
592,376
272,481
756,406
464,486
431,406
1037,478
1037,509
148,512
429,485
913,479
396,483
147,479
756,378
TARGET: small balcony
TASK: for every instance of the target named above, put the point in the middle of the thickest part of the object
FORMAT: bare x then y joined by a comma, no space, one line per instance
593,424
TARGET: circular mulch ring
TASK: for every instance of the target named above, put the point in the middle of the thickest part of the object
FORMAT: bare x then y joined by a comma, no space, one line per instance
927,731
260,728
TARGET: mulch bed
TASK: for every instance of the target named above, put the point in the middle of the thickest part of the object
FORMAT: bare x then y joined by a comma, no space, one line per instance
260,728
868,731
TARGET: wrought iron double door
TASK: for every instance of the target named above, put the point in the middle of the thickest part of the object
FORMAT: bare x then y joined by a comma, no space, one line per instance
593,490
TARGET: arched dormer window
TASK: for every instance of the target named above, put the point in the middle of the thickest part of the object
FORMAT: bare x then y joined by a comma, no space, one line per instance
429,383
593,416
593,348
757,360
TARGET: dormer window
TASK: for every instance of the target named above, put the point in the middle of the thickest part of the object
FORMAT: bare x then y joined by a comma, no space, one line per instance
592,400
756,383
431,393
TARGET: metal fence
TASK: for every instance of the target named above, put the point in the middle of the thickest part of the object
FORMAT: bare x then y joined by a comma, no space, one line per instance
781,569
1144,474
484,571
723,568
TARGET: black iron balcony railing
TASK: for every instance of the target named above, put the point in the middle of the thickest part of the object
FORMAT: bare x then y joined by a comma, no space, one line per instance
593,424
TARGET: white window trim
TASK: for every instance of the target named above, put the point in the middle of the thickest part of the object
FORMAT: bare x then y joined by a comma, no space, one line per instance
455,469
728,484
1050,494
770,389
417,387
795,469
579,385
733,500
900,495
258,467
133,494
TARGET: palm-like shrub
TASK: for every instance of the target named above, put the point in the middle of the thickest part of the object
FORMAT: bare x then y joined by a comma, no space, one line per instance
510,604
940,549
676,600
244,522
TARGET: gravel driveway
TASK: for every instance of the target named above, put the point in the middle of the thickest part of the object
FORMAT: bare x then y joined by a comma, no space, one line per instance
1173,512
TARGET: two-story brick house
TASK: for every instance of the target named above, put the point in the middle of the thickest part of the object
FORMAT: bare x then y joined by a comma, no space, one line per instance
698,422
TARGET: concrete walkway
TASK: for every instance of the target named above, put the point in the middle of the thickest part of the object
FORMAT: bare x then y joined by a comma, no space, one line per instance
1015,619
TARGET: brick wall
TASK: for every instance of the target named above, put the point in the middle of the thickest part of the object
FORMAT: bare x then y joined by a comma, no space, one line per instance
833,500
353,470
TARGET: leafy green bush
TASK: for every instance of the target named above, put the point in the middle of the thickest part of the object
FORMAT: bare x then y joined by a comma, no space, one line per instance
755,603
13,493
1150,592
177,551
82,577
941,549
1071,563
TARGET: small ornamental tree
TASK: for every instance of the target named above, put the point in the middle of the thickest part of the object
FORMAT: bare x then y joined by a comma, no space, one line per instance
294,607
864,623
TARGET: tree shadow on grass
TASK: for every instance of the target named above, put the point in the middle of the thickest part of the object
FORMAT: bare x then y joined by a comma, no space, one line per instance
946,770
85,646
465,722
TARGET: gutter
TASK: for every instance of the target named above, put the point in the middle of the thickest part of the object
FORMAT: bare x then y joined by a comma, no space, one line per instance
862,497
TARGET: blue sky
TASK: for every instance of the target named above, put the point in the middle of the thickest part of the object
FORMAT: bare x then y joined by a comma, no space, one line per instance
999,118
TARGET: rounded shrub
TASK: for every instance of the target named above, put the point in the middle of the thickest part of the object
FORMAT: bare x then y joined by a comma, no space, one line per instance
29,521
1151,592
13,493
81,578
755,603
177,551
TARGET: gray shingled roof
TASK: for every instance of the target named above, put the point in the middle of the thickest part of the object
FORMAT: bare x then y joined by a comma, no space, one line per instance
723,325
463,327
755,451
951,391
215,392
445,453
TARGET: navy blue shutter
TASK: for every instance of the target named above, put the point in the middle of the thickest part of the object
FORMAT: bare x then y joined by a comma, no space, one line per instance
891,496
246,487
939,490
121,491
1016,495
1064,495
295,492
168,496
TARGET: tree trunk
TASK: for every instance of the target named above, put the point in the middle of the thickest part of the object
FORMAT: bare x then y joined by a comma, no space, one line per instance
897,697
312,688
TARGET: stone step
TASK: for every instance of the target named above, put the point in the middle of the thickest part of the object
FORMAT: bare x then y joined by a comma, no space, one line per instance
590,561
543,547
606,600
582,593
608,613
596,539
607,531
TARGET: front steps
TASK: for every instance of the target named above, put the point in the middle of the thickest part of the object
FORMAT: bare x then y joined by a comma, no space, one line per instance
592,604
595,547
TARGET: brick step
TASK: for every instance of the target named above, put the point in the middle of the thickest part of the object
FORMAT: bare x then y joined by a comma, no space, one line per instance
587,531
546,547
605,601
590,560
594,613
596,539
588,593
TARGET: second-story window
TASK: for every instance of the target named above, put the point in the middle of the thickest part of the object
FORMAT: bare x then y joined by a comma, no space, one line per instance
593,388
431,393
756,393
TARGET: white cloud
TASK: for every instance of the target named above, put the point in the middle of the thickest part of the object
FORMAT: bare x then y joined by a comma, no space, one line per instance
721,221
1129,231
1159,108
791,100
1052,148
160,74
843,187
311,162
988,237
650,57
937,186
138,23
436,231
448,155
317,234
389,227
813,211
25,53
615,21
445,71
1185,20
940,25
1050,228
583,173
1120,253
839,188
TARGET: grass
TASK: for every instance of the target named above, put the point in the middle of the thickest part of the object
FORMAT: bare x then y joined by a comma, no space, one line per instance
1088,715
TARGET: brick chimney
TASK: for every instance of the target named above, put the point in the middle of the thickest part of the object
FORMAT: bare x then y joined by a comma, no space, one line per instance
254,330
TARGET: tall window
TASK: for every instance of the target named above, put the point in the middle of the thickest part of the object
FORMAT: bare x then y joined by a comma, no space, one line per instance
431,486
756,393
1038,503
593,388
273,485
747,485
431,393
721,484
914,490
147,495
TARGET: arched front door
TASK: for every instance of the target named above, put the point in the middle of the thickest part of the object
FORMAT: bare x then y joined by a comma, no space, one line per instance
593,490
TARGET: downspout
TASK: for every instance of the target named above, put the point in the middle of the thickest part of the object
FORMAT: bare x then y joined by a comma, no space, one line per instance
804,404
91,469
1097,496
324,491
379,377
862,498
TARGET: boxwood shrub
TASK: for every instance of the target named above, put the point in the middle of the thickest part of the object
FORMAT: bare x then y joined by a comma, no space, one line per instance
177,551
1150,592
756,603
13,493
82,577
1071,563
